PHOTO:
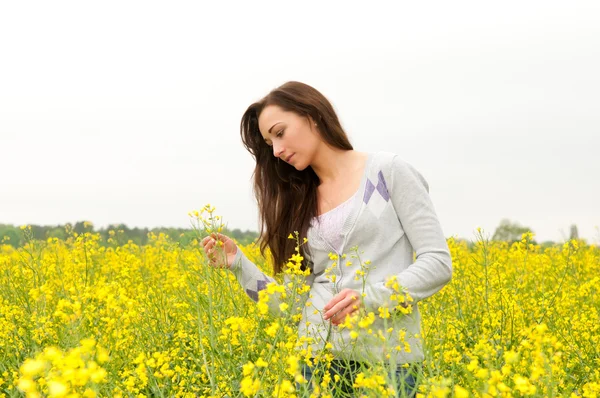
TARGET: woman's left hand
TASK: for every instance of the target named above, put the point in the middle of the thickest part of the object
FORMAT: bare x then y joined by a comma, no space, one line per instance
341,305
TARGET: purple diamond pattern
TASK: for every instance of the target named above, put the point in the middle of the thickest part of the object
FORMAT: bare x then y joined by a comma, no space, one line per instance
260,285
382,187
253,295
368,191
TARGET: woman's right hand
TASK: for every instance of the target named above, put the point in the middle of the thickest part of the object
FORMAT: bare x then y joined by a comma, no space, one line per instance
220,256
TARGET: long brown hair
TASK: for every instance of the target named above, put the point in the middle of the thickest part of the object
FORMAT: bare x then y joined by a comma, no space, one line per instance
287,198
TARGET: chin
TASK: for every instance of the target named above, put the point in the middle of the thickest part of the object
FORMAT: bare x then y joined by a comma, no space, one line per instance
298,166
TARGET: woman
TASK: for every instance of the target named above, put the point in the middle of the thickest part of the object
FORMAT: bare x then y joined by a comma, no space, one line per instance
308,178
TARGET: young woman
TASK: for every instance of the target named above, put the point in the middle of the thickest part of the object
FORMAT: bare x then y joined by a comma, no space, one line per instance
308,178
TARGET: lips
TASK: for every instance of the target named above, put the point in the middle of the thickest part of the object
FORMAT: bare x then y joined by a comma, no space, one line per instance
288,159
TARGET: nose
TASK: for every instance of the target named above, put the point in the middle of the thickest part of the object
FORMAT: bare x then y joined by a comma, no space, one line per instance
277,150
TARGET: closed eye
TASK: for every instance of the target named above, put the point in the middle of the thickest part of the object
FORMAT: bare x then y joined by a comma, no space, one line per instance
279,134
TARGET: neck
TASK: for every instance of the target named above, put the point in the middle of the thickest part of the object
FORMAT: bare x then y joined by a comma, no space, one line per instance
331,163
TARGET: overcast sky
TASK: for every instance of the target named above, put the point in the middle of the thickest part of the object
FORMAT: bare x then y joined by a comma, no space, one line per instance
129,111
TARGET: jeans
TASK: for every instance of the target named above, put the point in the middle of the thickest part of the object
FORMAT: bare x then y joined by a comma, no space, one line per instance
405,379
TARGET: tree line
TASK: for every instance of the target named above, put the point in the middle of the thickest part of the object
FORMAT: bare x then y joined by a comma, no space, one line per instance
121,233
507,231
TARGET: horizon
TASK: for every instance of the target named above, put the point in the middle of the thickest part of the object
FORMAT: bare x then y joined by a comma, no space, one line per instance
487,234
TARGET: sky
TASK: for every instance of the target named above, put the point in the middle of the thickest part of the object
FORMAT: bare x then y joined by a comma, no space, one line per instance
129,111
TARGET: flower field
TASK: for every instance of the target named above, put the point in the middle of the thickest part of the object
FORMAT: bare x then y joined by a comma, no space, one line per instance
83,317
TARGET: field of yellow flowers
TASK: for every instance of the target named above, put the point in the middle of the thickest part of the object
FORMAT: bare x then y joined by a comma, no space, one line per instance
88,318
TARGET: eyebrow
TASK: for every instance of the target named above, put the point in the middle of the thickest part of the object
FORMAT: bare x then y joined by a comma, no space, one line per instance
273,126
271,129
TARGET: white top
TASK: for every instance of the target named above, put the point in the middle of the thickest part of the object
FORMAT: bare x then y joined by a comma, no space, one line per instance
329,224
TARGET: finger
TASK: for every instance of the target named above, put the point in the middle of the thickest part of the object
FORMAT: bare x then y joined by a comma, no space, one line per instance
213,260
210,251
205,242
348,300
208,239
214,244
214,251
217,249
209,245
343,295
219,236
336,299
341,316
218,241
340,296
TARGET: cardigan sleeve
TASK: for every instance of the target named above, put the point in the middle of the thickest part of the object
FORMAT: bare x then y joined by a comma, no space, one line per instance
253,280
249,276
432,269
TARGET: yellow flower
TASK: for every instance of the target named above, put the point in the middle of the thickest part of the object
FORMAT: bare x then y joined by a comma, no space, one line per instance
460,392
384,312
26,385
57,388
511,356
249,387
293,365
32,367
247,368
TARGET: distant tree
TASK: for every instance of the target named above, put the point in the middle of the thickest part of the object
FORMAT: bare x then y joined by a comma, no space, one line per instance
243,238
39,232
83,226
10,235
140,235
547,244
122,227
58,232
509,231
574,233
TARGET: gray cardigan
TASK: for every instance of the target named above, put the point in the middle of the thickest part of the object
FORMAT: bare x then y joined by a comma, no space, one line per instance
391,218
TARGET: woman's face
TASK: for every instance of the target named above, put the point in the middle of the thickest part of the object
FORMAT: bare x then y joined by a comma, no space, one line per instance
293,138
